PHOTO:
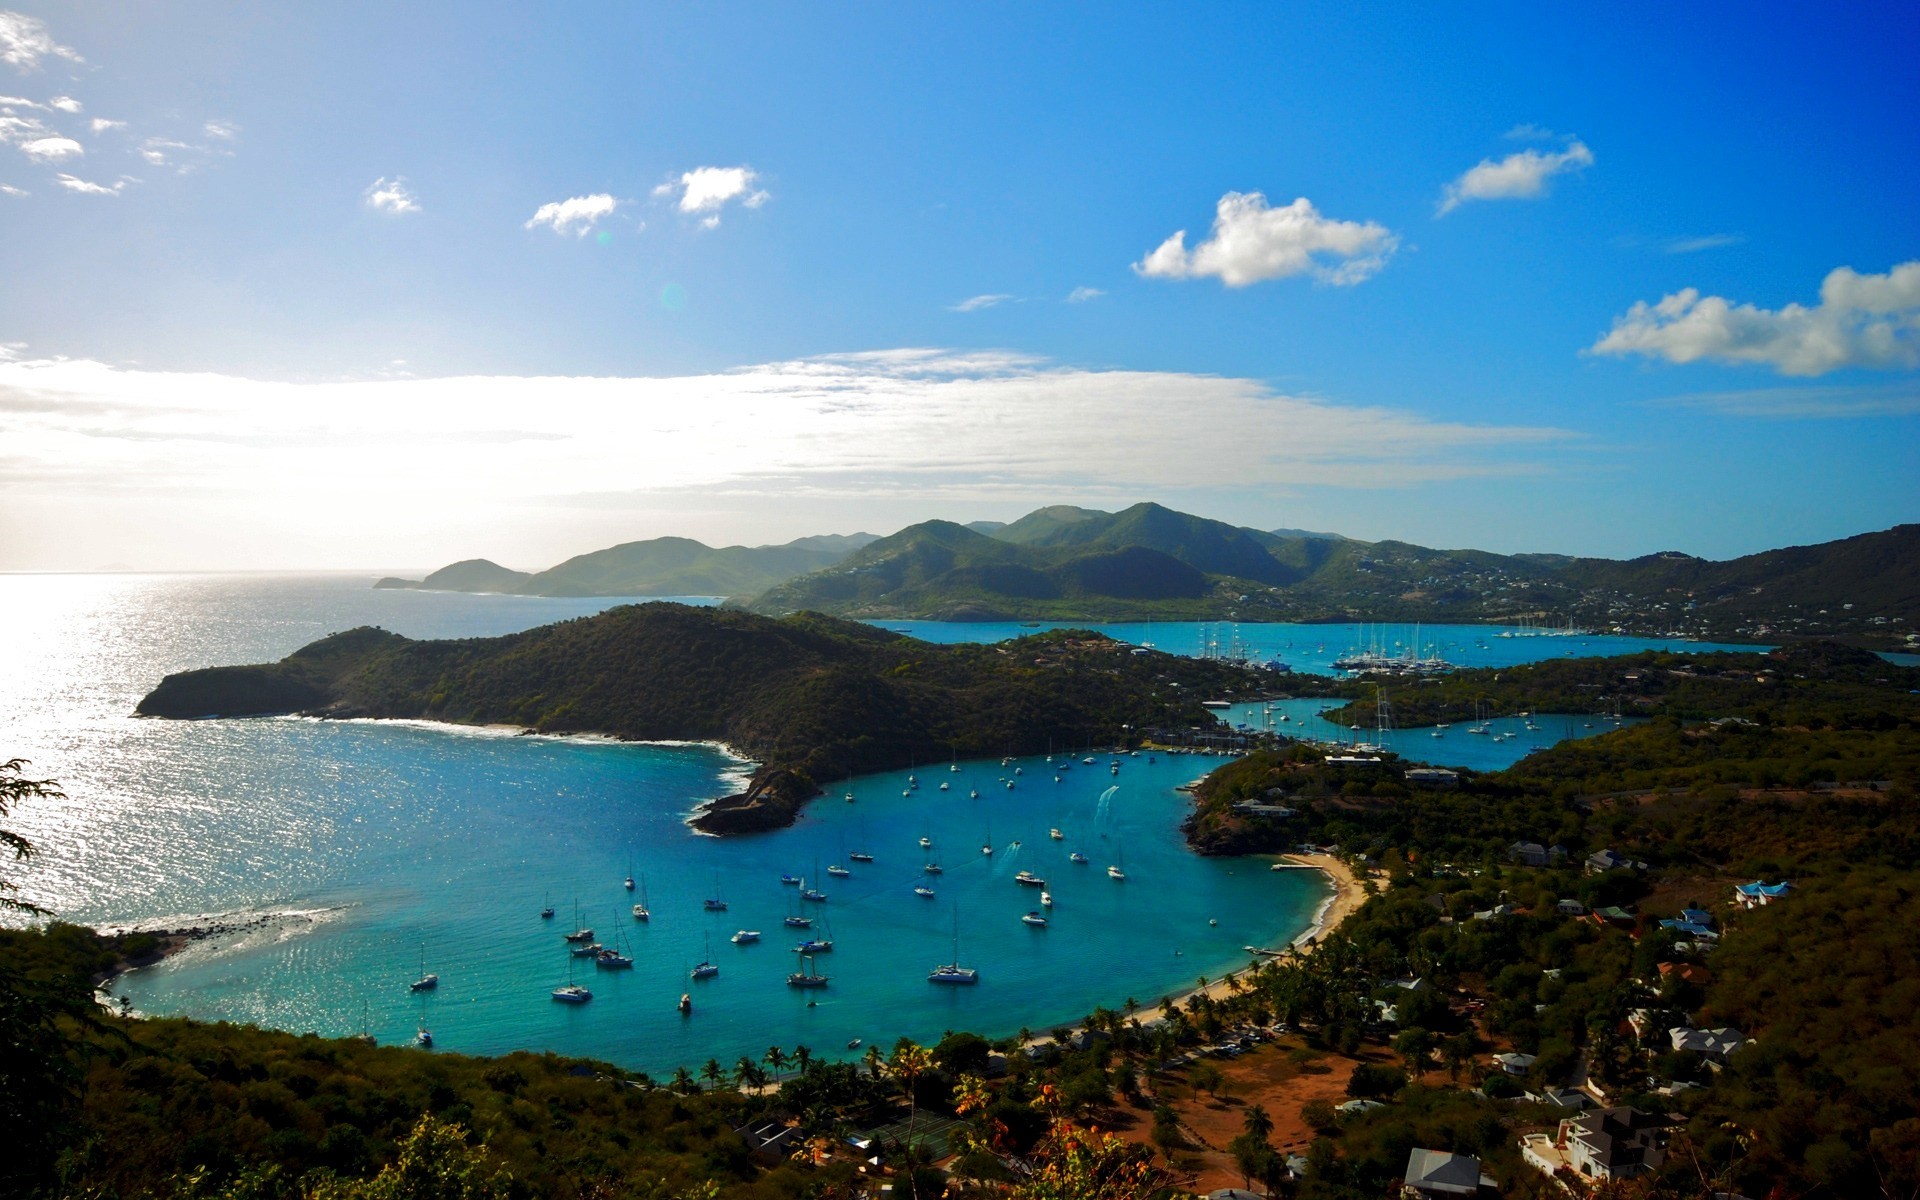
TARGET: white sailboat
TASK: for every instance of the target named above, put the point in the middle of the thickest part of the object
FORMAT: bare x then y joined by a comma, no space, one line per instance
953,972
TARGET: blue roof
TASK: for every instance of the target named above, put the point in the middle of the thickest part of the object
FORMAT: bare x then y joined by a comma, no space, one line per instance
1756,888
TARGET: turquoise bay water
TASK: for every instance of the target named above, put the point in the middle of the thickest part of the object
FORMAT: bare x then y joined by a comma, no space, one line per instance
364,843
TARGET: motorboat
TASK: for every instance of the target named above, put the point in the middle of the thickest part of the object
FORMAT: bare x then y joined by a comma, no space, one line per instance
746,937
839,872
923,891
1077,858
1035,919
1029,879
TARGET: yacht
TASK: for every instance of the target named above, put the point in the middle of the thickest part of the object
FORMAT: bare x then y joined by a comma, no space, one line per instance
790,880
746,937
613,960
1029,879
1116,871
923,891
423,1038
640,912
973,794
860,856
428,980
1035,919
815,946
715,904
1077,858
546,914
926,843
944,785
1055,834
573,993
1046,899
839,872
931,868
629,883
799,922
813,894
585,949
686,1004
705,970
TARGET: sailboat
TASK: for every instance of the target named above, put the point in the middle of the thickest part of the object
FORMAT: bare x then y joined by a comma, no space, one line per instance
629,880
714,902
581,933
640,912
423,1038
427,981
1077,858
987,847
1115,871
705,969
812,894
806,976
573,993
546,914
610,959
953,972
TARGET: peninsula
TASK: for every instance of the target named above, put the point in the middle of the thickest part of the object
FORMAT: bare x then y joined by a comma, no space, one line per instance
812,699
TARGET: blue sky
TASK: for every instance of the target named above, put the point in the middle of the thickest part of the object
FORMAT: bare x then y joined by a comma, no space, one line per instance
280,292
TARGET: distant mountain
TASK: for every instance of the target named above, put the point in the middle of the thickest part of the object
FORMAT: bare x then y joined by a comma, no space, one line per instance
1151,562
1308,533
668,566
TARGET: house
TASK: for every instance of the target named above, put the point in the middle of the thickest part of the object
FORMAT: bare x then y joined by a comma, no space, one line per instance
1514,1063
1438,1173
1613,914
770,1138
1353,1108
1433,777
1564,1097
1602,861
1570,908
1690,928
1697,916
1758,894
1528,854
1614,1143
1712,1044
1254,808
1692,973
1498,910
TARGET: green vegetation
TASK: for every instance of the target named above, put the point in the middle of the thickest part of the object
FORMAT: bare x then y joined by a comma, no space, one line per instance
1151,563
1821,1102
812,698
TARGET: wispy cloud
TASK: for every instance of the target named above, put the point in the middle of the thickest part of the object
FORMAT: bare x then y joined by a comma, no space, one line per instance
87,187
8,189
1804,403
708,190
976,303
1081,295
1861,321
1251,242
1527,131
24,41
1710,241
102,124
226,131
576,215
391,196
66,104
1519,176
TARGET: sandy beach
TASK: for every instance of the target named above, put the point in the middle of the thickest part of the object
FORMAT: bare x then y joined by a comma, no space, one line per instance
1348,895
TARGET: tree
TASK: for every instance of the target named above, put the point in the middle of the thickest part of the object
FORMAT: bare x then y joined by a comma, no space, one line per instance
435,1163
775,1057
1084,1164
1253,1156
713,1072
1258,1123
908,1062
803,1058
15,787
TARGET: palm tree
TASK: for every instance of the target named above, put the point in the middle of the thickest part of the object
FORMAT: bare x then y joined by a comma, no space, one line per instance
683,1081
713,1072
875,1061
744,1071
776,1058
1258,1123
907,1063
803,1058
1132,1006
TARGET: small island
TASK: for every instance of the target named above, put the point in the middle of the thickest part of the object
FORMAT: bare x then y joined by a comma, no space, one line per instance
812,699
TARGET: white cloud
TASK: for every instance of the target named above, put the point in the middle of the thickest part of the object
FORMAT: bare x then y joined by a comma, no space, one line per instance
102,124
10,190
1710,241
88,188
211,455
20,102
24,41
976,303
66,104
1527,131
1081,295
226,131
710,189
1251,242
391,196
1861,321
51,149
577,215
1520,176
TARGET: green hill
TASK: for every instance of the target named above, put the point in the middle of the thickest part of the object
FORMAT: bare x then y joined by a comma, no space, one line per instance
1150,562
812,698
667,566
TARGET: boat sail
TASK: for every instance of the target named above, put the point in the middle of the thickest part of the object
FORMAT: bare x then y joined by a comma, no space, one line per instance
953,972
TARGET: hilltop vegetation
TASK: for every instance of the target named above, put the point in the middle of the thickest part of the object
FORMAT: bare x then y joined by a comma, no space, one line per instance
1148,562
1819,1102
812,698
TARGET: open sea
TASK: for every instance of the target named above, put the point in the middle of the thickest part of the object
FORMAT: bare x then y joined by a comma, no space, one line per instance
358,854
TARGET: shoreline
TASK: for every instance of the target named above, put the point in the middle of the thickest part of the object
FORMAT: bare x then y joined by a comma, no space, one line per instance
1348,894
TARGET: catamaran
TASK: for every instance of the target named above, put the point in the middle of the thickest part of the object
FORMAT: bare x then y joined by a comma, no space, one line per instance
953,972
573,993
610,959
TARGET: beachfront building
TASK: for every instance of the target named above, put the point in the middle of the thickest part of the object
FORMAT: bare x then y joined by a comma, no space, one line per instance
1608,1143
